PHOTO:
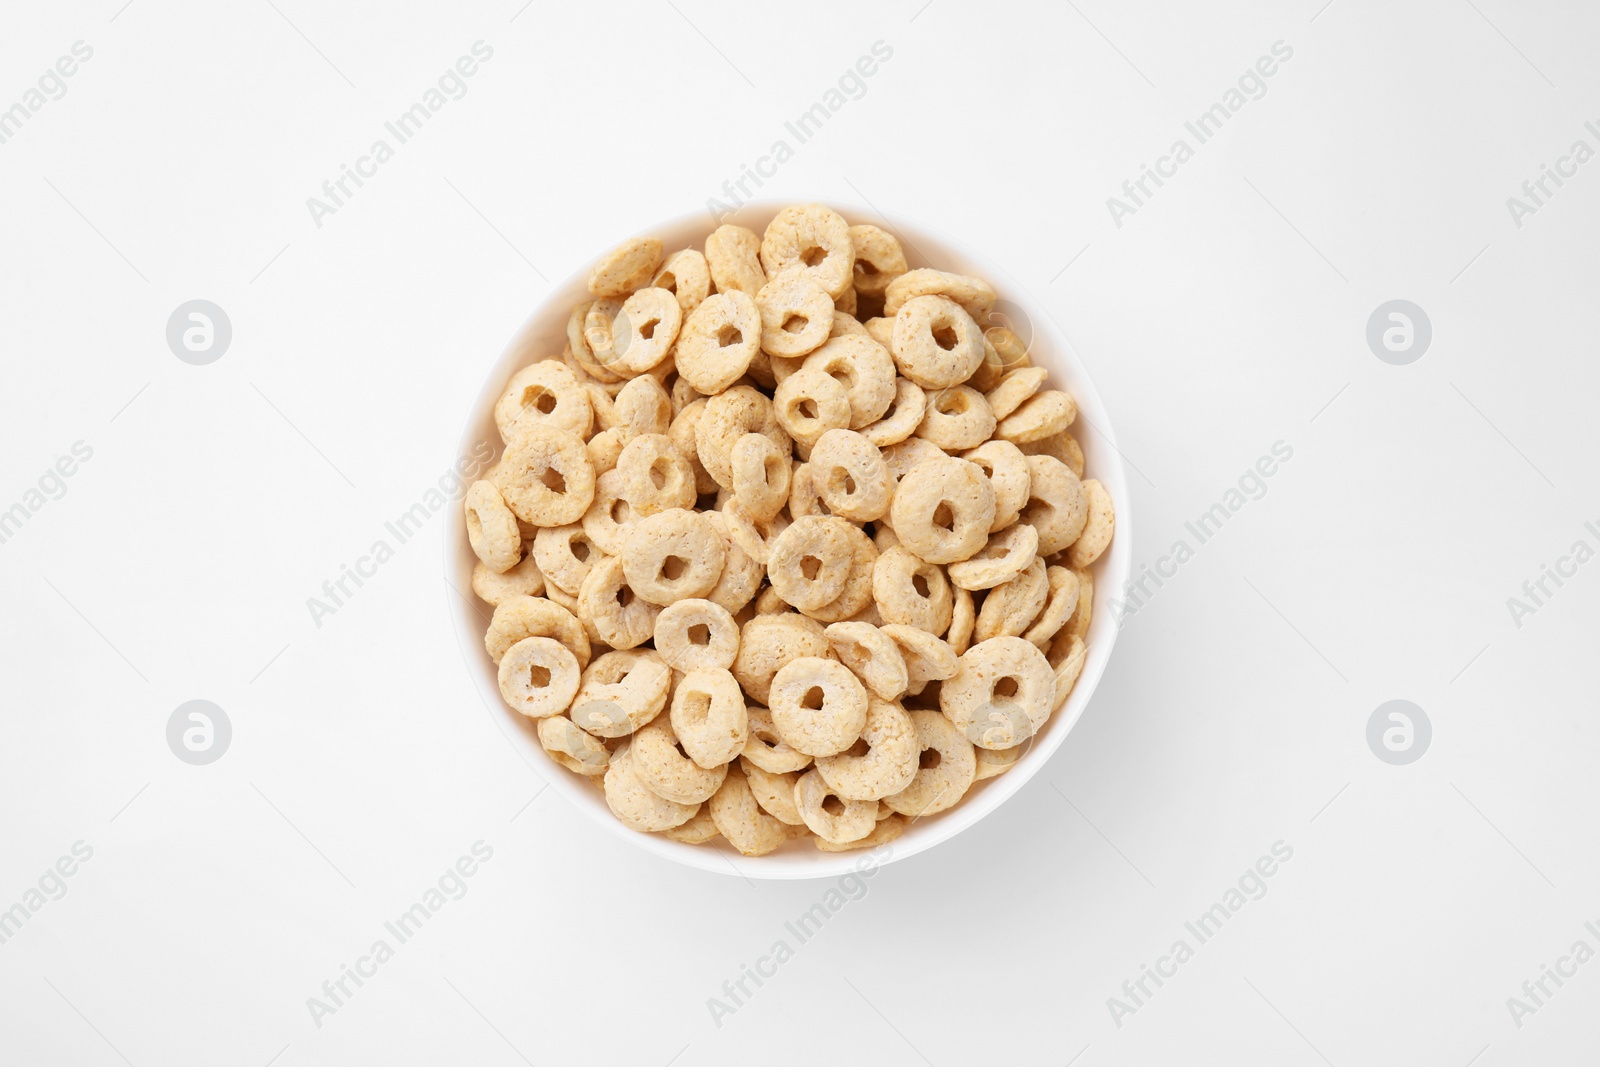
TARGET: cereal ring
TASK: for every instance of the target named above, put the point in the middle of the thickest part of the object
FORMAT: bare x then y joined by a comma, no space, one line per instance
578,343
928,659
697,831
881,330
1011,607
818,706
879,259
1062,602
975,295
864,368
491,528
767,749
883,760
943,777
1068,669
774,792
1014,388
692,634
544,393
809,403
1057,505
525,579
610,518
579,752
941,511
990,370
957,417
626,267
538,677
683,393
849,473
1062,446
656,476
905,414
609,607
732,257
565,554
557,595
767,642
686,276
643,332
621,691
903,457
883,538
642,406
804,500
911,592
672,555
1001,694
855,603
1009,347
1007,470
839,822
631,801
1078,625
873,656
760,475
936,343
1007,555
963,618
519,617
666,771
888,829
844,322
719,340
810,561
1097,528
709,716
796,315
1041,415
682,432
605,448
846,303
754,536
727,417
545,477
740,819
813,241
996,761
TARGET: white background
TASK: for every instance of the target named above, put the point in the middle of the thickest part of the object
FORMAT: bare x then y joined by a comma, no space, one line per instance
1227,314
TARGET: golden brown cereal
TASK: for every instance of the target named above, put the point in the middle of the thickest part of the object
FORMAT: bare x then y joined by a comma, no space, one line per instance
963,619
872,655
740,819
905,456
656,475
727,417
621,691
911,592
1001,694
928,659
864,368
1057,506
672,555
889,827
1007,554
957,418
609,520
1014,388
605,448
761,474
1062,446
936,344
686,276
818,706
682,432
732,257
774,792
810,561
905,414
545,477
667,772
626,267
849,473
940,780
709,716
642,406
694,633
519,617
838,823
741,575
767,749
809,403
813,241
560,596
881,330
796,315
631,801
697,831
544,393
1011,349
522,580
845,322
857,595
1041,415
1078,625
1007,469
975,295
538,677
846,303
577,751
1097,528
754,536
565,554
682,393
942,510
643,332
492,528
886,761
718,341
879,259
1011,607
1062,602
609,607
767,642
578,342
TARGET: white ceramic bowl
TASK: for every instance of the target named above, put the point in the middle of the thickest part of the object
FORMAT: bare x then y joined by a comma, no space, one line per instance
544,334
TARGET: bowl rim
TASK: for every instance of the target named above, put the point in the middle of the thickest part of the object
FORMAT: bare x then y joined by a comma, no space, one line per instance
1060,358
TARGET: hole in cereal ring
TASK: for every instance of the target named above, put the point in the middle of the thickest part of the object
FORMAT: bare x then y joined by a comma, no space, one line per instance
624,595
765,736
729,335
808,408
859,749
795,323
945,337
943,517
553,480
833,805
667,282
864,266
929,759
538,676
580,550
697,706
920,584
620,511
699,634
706,501
772,469
1006,689
658,477
672,568
810,566
539,398
474,524
813,255
952,403
647,329
812,701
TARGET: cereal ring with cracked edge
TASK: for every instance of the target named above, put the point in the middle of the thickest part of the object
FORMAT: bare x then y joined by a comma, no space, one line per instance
881,762
928,658
857,593
1016,387
767,642
956,418
643,406
879,259
610,518
942,778
525,579
864,368
766,749
673,555
1001,694
1062,446
656,475
1011,607
693,634
849,473
818,706
538,677
733,257
492,528
760,475
719,341
578,342
881,330
644,331
996,761
565,554
872,655
941,510
1007,470
740,819
727,417
1097,529
796,316
697,831
843,322
911,592
626,267
545,477
963,619
708,715
1068,665
519,617
621,691
754,536
813,241
544,393
605,448
666,771
840,822
1078,625
1057,504
905,414
809,403
633,802
903,457
1061,603
889,827
975,295
1042,415
577,751
810,561
610,608
1007,554
685,275
936,344
774,792
682,432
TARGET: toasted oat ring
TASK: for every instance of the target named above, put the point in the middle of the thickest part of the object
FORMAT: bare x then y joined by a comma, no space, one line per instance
577,751
1016,387
1011,607
1007,554
797,235
766,749
881,762
683,393
1007,470
936,344
519,617
963,618
1057,505
1011,349
857,594
697,831
796,315
621,691
957,417
578,342
809,403
727,417
685,275
1001,694
905,414
818,706
890,826
633,802
565,554
760,475
810,561
525,579
997,761
605,448
740,819
672,555
1097,528
1078,625
879,259
849,474
846,303
1041,415
881,330
538,677
1062,602
610,518
682,432
774,792
754,536
928,659
656,475
492,528
668,773
767,642
642,406
1067,669
741,575
609,606
804,500
845,322
545,477
709,716
853,820
644,331
900,595
975,295
544,393
939,783
903,457
872,655
1062,446
942,509
626,267
864,368
695,633
718,341
732,255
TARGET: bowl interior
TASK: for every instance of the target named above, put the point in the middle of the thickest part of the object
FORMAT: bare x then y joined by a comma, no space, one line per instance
544,334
